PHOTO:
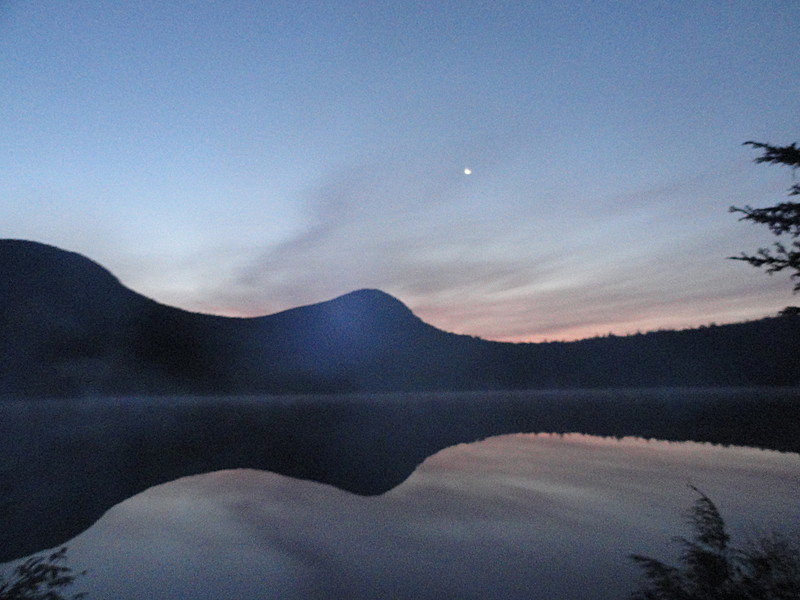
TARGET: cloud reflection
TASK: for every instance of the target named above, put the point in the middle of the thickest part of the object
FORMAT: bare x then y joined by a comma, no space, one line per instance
521,516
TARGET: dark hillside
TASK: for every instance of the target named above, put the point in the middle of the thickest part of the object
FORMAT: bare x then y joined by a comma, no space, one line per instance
69,328
368,340
755,353
58,316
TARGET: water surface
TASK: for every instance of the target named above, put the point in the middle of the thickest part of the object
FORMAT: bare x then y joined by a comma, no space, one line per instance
516,516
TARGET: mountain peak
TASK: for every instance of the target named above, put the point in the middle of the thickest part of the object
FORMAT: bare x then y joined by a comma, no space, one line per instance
32,269
67,326
363,304
372,306
371,296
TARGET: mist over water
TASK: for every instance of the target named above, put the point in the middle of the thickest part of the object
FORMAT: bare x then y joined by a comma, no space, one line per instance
515,516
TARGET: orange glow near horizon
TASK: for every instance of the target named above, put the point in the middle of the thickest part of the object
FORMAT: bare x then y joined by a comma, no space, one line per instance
465,323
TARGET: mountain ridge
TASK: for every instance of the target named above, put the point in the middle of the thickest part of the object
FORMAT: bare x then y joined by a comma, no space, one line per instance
69,327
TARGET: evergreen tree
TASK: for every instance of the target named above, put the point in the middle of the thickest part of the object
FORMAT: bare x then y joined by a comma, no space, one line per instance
783,219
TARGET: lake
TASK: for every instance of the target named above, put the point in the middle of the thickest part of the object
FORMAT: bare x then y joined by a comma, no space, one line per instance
518,516
512,516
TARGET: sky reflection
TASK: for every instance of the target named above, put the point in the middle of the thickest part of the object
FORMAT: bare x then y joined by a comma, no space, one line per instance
519,516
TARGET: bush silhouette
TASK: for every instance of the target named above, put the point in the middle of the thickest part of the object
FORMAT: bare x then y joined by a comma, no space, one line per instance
40,578
767,569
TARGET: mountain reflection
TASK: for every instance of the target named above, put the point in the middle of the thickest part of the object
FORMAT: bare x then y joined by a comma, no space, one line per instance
67,462
516,516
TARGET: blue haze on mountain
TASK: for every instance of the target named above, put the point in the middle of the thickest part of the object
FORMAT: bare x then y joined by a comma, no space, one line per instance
69,328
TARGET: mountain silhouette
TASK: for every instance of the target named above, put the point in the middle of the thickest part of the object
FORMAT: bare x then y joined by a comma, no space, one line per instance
68,327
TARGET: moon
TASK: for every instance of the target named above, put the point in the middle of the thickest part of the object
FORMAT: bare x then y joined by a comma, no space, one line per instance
467,171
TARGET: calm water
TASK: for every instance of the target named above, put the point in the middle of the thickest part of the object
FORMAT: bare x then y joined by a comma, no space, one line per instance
515,516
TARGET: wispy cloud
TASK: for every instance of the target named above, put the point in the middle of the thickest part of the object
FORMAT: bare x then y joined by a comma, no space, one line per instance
511,268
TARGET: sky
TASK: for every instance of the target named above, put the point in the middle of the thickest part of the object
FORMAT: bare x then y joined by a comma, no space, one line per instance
246,157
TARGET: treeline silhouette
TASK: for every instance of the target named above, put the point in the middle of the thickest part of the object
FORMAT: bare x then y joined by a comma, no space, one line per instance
69,328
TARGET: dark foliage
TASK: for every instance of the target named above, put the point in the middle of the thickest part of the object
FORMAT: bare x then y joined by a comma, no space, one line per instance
41,578
781,219
767,569
782,155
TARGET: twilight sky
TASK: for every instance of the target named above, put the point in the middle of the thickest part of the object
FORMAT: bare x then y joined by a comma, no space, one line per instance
245,157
